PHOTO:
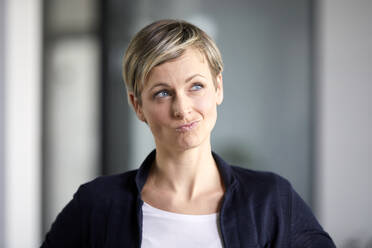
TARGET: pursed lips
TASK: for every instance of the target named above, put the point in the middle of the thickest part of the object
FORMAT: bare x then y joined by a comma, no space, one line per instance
187,127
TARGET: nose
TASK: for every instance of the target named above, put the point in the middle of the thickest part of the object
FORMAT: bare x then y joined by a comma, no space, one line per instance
180,106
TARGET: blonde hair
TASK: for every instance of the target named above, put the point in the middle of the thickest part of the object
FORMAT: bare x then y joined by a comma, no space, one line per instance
162,41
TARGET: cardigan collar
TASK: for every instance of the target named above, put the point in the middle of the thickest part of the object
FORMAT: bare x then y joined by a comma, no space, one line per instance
228,217
224,169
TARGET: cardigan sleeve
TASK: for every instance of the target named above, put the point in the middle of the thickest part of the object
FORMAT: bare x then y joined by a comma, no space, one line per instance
66,231
305,231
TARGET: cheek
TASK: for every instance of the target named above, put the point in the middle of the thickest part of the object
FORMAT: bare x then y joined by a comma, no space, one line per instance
207,105
155,116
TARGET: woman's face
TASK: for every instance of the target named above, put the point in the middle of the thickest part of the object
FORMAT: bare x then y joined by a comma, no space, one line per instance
179,102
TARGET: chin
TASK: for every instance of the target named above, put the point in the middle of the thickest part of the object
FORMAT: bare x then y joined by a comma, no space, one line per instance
187,143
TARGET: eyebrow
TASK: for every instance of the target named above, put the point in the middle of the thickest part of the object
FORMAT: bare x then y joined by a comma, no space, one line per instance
167,85
195,75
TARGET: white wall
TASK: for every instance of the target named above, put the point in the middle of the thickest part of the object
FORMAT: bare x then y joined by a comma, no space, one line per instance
22,123
2,119
344,189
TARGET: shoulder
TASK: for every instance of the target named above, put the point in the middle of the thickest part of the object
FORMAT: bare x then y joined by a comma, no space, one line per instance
104,189
262,185
272,202
248,177
251,181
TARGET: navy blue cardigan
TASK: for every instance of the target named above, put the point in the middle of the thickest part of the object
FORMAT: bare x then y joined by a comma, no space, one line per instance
259,209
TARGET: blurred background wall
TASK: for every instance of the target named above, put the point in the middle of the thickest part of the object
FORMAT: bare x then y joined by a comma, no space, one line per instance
20,168
344,121
71,97
2,120
297,102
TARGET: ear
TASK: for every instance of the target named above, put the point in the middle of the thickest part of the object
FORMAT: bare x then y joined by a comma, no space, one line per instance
219,89
136,106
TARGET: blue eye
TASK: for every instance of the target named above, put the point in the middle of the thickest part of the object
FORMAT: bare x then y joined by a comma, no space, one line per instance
196,87
161,94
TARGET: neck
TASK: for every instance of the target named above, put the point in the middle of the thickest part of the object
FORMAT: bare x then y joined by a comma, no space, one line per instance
187,173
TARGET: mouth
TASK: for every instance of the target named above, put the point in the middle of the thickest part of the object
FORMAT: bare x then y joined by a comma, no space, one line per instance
187,127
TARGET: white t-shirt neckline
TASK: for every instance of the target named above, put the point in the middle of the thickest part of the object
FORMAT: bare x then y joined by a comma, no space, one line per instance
167,229
168,214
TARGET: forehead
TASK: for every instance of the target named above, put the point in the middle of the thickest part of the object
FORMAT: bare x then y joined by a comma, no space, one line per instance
190,62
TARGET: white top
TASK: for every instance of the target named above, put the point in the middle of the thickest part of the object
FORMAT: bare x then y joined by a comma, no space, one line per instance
167,229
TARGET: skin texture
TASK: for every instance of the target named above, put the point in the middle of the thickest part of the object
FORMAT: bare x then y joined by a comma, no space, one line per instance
179,104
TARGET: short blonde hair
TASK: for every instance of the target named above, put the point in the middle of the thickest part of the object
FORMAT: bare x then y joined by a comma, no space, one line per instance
162,41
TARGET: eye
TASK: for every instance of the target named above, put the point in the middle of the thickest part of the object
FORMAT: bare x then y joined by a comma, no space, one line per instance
197,87
161,94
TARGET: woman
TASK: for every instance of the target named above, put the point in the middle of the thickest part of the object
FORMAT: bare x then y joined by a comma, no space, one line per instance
183,195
